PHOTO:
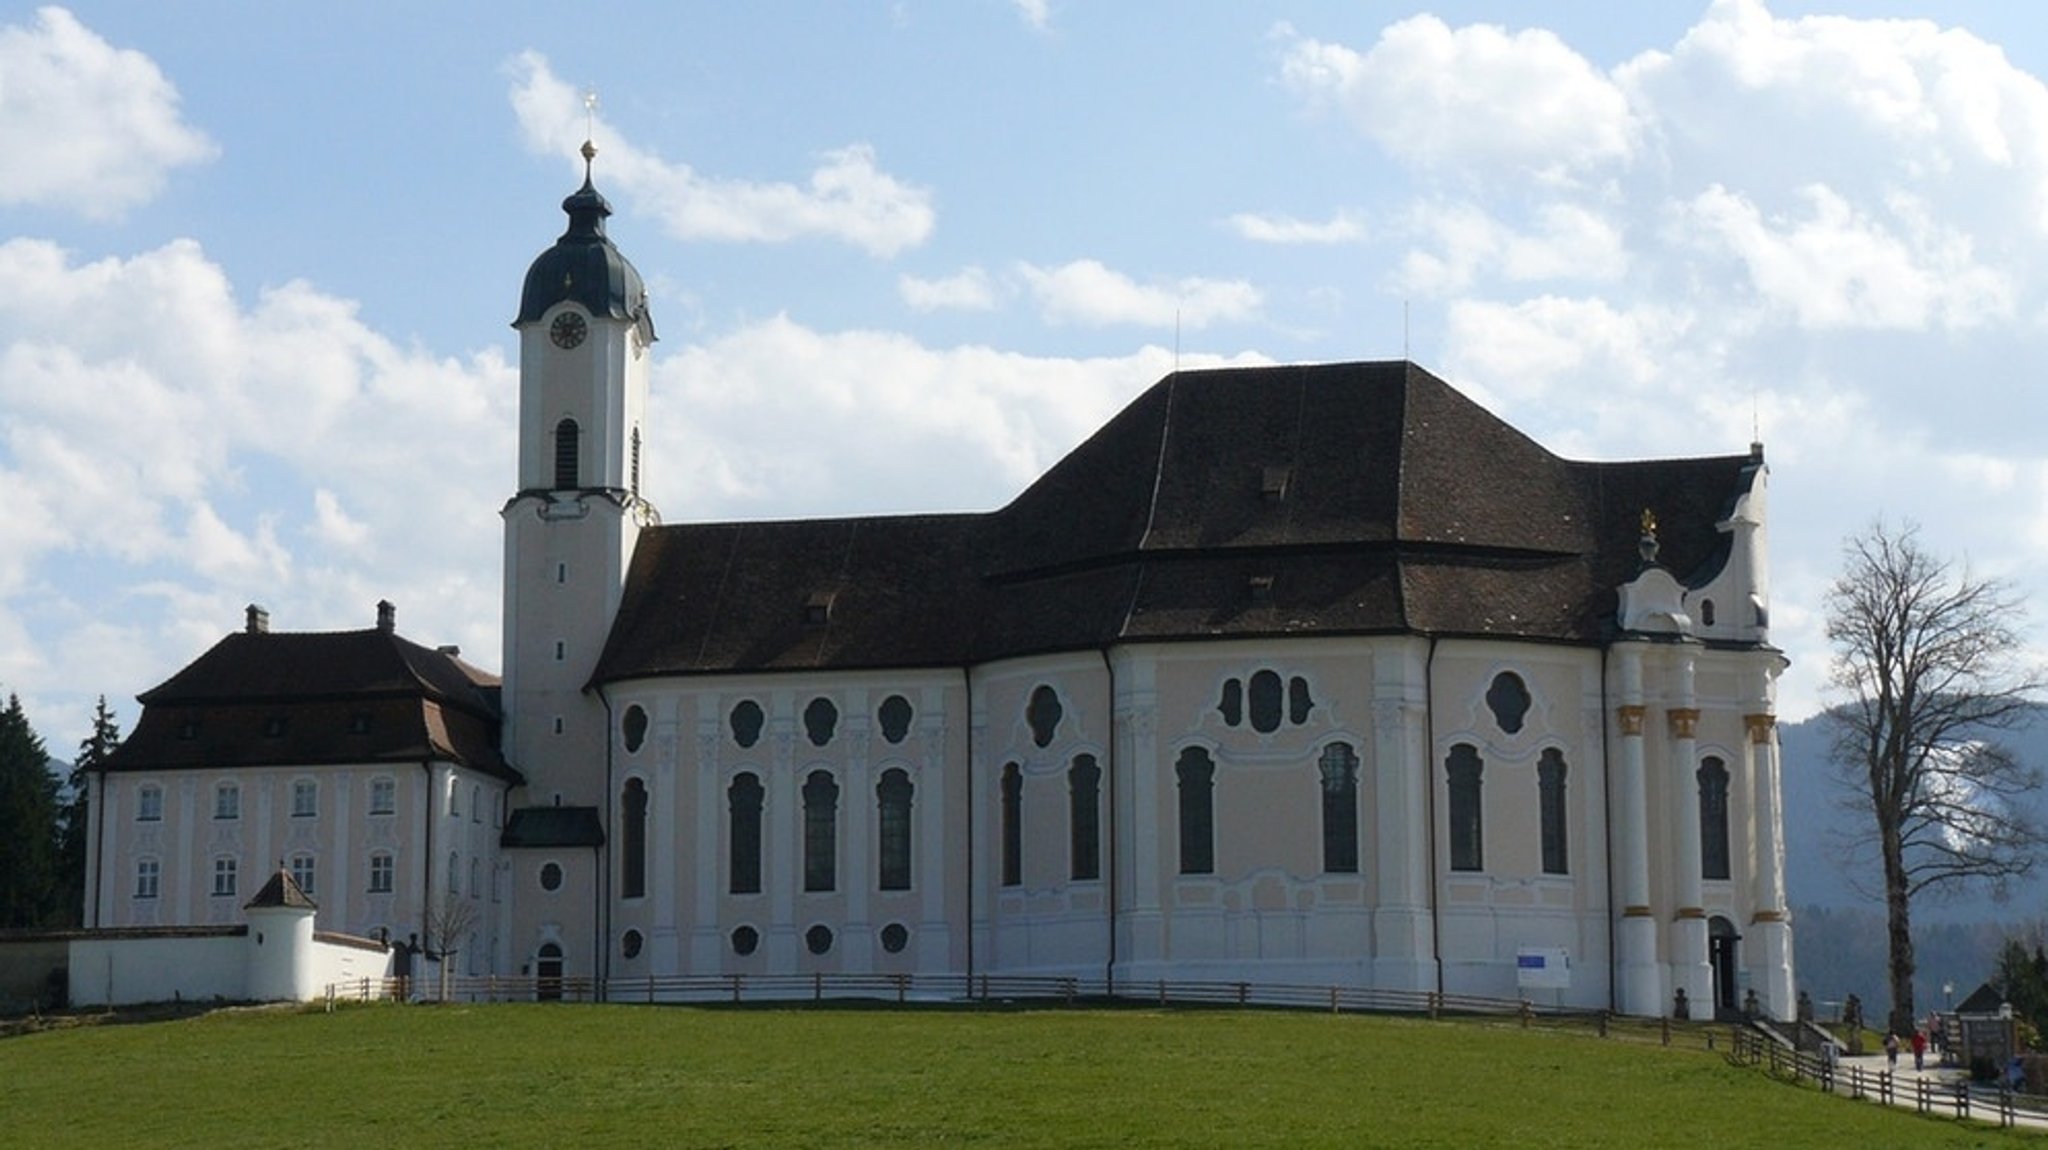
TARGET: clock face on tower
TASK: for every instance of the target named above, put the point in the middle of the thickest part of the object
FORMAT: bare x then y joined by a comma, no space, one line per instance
568,330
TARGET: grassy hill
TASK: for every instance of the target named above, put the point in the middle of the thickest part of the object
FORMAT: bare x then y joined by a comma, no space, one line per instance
556,1075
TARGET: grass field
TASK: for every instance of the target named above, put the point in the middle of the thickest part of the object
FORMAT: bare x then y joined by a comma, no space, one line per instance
571,1076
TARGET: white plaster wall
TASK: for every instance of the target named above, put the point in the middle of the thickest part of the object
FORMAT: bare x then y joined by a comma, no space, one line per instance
114,971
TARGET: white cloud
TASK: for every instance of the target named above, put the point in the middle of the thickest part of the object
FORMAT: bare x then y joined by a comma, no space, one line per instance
1342,228
847,197
1460,243
1087,294
970,289
87,127
1468,99
1037,13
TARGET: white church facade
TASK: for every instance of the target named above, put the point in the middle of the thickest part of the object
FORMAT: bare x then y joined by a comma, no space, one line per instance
1308,675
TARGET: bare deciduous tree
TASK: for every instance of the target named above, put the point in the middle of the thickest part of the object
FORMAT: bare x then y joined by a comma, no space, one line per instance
1928,663
449,922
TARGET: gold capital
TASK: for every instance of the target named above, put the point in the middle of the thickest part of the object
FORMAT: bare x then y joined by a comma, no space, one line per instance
1630,715
1760,727
1685,722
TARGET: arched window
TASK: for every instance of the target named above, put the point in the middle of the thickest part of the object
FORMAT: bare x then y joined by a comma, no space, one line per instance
743,845
892,802
1339,768
1550,775
1468,830
1197,773
566,454
633,840
1013,824
821,832
1084,818
1231,705
1713,780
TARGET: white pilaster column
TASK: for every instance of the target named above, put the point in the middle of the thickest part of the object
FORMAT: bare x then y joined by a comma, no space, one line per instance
1690,969
1640,981
1770,927
1402,764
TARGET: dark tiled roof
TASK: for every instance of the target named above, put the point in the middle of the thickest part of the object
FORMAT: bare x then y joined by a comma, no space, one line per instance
259,698
281,890
553,827
1337,499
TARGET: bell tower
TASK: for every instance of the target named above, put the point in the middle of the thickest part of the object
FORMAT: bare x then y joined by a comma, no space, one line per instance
585,335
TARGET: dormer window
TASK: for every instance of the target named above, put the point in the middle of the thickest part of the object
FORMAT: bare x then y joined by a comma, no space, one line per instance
818,609
1273,483
1261,588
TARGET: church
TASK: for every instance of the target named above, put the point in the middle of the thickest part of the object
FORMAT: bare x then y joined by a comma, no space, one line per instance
1305,675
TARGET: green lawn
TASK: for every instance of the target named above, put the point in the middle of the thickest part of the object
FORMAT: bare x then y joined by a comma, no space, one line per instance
572,1076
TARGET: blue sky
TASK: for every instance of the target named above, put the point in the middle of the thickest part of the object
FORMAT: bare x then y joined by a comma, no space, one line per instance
257,264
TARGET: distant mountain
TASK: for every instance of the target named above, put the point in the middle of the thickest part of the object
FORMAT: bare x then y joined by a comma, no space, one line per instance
1835,890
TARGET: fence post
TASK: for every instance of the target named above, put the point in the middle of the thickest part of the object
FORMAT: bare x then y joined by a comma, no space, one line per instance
817,986
1243,992
902,988
1162,992
1665,1028
1333,1000
1068,988
1603,1024
1527,1012
736,988
1435,1003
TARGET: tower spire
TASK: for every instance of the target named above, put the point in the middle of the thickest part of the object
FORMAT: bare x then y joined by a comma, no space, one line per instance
589,131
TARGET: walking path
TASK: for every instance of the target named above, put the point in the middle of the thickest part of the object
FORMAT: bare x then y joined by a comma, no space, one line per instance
1864,1073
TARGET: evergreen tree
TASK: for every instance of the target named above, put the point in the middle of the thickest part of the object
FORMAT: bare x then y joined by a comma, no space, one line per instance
92,755
28,824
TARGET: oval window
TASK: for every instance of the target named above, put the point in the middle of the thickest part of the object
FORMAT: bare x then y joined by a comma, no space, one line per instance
821,719
818,939
551,876
745,940
895,937
634,727
1508,699
630,944
1043,714
1265,702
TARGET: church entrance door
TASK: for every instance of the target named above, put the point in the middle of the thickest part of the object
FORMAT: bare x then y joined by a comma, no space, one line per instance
1721,955
547,971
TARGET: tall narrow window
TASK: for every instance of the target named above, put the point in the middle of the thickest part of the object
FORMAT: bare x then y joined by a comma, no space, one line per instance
1468,831
1339,768
566,452
636,462
821,832
743,846
147,872
1084,817
1013,824
1197,773
383,795
149,805
224,876
892,800
1550,772
227,801
1713,780
633,840
305,799
1265,699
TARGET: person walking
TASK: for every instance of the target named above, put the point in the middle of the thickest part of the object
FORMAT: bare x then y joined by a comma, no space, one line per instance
1891,1051
1919,1050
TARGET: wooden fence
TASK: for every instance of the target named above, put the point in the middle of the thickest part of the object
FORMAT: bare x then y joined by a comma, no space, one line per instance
1961,1099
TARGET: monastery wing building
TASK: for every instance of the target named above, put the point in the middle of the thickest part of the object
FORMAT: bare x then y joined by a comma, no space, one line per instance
1315,675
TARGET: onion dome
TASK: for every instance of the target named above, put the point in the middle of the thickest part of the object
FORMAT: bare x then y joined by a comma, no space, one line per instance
584,268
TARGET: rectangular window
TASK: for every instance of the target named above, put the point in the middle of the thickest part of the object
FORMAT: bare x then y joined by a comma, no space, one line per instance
227,801
1339,767
821,832
1197,775
1084,818
1468,831
383,796
305,799
302,872
224,875
380,874
149,805
146,871
1550,801
743,843
1013,825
